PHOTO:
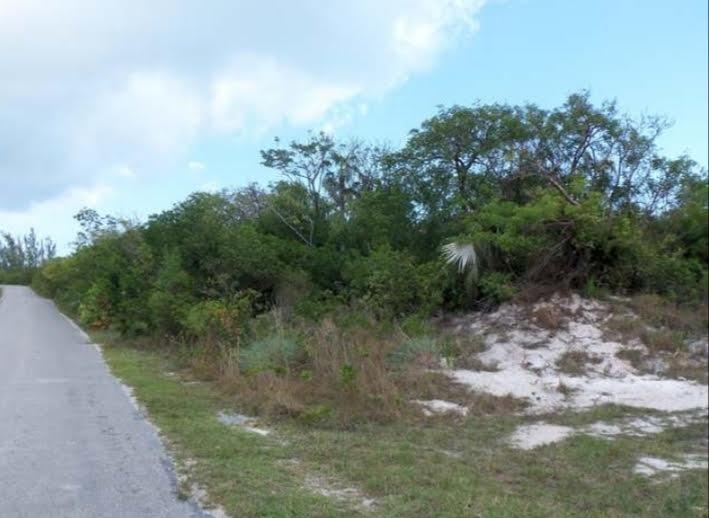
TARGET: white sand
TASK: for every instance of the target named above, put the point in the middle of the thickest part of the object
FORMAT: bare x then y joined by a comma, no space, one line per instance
528,437
244,422
540,434
649,466
439,406
526,355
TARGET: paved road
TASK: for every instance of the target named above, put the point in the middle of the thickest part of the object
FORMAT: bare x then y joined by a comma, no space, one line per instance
71,442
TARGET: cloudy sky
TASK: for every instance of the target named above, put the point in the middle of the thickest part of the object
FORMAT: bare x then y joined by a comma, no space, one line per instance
126,106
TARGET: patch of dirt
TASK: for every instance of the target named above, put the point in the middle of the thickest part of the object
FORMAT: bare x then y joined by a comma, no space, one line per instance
439,406
348,495
540,434
651,466
531,436
330,488
247,423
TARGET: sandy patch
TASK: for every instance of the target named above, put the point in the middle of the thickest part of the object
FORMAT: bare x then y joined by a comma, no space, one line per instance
349,495
439,406
540,434
650,466
244,422
526,356
531,436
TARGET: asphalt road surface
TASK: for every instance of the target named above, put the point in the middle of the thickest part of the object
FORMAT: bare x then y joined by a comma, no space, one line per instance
72,444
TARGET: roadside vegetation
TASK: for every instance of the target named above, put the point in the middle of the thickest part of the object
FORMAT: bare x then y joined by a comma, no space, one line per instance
22,256
437,468
318,305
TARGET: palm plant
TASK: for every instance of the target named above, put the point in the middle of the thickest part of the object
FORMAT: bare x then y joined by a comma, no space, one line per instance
466,258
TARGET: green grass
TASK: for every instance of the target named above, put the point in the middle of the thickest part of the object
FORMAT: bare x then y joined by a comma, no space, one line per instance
440,468
241,470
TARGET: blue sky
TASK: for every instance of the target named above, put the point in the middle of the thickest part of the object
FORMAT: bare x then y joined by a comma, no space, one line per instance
132,116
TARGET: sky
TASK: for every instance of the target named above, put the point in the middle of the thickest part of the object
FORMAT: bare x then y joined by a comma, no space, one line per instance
127,106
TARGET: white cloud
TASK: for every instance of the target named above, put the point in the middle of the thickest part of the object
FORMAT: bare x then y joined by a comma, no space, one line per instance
88,84
196,166
53,217
125,172
211,186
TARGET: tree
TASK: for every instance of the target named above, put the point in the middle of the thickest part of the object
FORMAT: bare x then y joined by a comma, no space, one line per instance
453,162
307,164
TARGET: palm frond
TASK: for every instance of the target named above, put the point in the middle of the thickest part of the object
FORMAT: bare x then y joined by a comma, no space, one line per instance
465,257
461,254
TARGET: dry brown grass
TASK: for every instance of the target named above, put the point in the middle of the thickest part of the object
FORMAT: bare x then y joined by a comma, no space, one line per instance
481,403
658,323
564,389
344,380
548,317
663,340
624,328
632,356
659,312
680,367
576,362
533,293
348,377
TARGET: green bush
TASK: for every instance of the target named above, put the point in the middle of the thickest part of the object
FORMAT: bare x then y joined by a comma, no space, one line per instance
171,296
497,287
95,307
275,353
386,281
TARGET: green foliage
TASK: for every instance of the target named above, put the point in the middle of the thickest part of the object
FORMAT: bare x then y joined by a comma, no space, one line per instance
414,348
497,287
95,306
170,298
222,320
348,374
275,353
578,197
22,256
385,281
315,414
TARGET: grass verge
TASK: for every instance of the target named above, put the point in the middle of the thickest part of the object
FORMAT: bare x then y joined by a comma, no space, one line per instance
436,468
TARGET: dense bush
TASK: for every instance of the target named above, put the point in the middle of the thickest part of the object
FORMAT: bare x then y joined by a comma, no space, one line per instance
21,256
576,197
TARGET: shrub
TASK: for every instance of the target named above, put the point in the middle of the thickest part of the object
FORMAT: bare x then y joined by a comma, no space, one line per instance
95,307
171,295
424,349
548,317
386,281
275,353
497,287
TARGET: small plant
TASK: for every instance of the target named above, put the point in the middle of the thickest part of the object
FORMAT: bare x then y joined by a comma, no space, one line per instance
591,289
416,349
348,374
575,362
274,353
497,287
564,389
663,340
624,328
548,317
315,414
660,312
632,355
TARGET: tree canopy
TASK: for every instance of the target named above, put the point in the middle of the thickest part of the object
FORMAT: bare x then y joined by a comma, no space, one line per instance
578,196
